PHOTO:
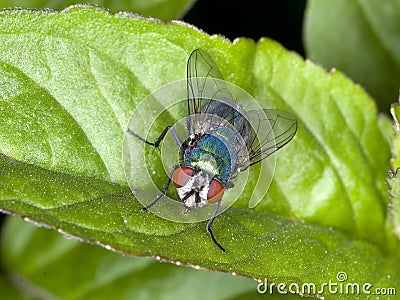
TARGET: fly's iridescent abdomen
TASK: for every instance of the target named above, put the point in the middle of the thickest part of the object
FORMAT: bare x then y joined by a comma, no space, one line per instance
232,113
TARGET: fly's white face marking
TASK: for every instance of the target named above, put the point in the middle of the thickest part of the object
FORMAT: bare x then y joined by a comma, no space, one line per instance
200,182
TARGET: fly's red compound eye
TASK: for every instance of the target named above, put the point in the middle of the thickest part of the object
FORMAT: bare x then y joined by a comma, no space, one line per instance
181,176
215,192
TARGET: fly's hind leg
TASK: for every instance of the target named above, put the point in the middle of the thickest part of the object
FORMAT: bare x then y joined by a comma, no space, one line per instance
209,225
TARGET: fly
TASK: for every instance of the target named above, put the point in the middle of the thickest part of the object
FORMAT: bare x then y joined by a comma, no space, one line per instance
222,139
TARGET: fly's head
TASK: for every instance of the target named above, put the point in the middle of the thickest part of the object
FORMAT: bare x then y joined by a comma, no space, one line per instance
196,188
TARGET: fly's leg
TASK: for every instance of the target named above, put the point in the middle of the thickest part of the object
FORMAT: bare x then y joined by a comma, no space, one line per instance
189,194
209,225
164,191
155,144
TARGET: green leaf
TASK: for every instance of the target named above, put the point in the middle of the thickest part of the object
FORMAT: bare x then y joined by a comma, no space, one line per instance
162,9
393,178
361,38
395,139
386,127
9,291
259,245
394,183
34,257
45,263
69,83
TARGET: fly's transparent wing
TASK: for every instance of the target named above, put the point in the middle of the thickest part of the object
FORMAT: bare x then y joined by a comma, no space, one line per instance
206,90
263,131
270,130
203,81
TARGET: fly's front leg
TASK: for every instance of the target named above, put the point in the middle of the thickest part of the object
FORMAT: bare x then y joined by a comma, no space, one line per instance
155,144
164,191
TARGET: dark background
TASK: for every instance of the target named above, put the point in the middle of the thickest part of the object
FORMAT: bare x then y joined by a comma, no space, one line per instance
279,20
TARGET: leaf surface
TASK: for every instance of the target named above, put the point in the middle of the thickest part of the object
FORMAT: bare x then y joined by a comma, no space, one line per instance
69,83
360,38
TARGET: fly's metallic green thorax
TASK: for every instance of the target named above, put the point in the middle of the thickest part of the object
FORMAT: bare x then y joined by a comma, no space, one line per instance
214,153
